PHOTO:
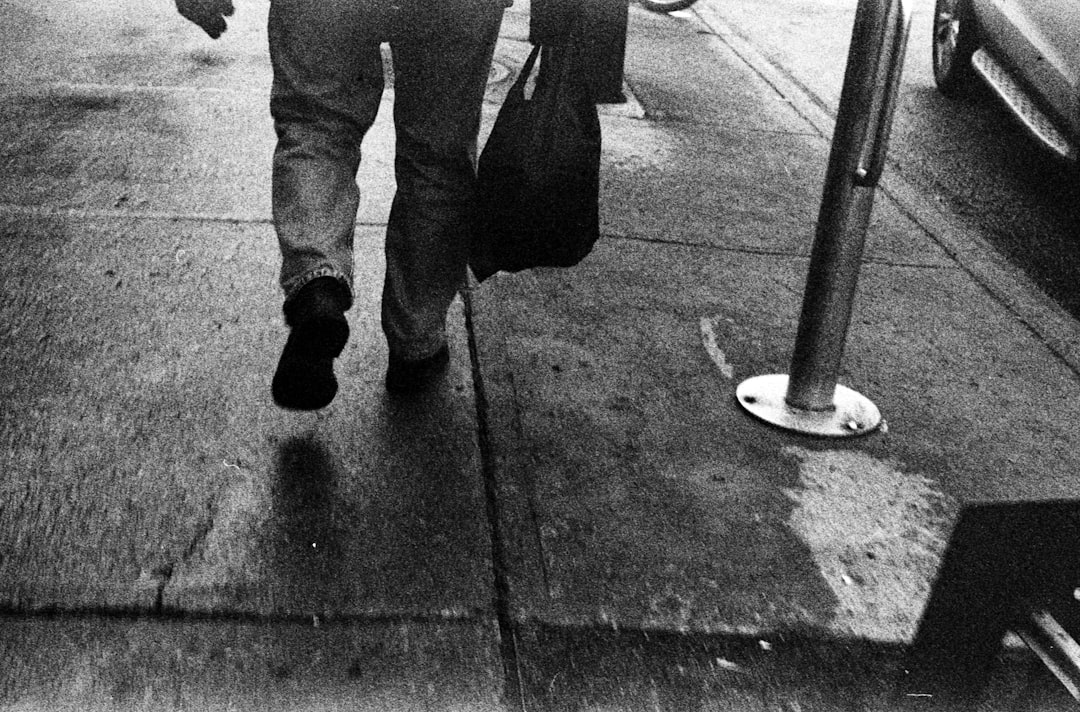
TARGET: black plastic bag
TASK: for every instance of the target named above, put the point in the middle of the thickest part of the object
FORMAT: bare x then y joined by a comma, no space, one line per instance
539,173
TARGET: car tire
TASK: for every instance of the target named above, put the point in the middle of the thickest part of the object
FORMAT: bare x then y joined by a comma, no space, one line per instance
665,6
955,41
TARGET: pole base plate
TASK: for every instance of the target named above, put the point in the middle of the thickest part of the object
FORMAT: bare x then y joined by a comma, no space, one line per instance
765,397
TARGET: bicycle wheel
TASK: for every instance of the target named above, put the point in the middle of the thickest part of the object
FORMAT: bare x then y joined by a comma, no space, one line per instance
666,5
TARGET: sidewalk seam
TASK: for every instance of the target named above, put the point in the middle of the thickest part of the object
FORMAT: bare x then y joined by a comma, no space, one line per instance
178,615
876,261
33,211
508,642
117,89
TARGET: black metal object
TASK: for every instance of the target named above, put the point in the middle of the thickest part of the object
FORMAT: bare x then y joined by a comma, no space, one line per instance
1006,565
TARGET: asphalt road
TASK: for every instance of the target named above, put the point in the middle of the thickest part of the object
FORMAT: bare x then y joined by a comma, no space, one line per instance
970,154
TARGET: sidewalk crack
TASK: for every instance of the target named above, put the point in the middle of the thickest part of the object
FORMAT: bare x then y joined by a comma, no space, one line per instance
508,645
163,573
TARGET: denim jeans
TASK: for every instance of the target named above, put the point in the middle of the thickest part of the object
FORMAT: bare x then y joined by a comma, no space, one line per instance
328,82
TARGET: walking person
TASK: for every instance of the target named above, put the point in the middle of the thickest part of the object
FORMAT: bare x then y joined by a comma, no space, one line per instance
327,87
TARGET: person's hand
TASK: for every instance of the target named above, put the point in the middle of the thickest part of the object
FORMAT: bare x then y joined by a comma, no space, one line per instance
207,14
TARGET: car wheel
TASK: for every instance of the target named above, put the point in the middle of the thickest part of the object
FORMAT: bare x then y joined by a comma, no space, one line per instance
954,43
666,6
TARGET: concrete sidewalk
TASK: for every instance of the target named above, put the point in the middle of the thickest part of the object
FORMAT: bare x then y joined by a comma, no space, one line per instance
581,518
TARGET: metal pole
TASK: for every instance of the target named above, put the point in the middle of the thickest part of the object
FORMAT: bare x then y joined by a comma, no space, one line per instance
1052,644
810,400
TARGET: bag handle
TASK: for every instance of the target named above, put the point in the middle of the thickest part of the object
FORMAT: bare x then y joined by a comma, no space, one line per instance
518,89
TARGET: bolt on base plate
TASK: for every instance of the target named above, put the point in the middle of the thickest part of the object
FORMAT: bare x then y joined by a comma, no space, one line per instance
765,397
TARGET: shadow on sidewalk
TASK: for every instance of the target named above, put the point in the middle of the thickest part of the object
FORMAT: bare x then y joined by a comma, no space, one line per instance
1003,559
589,668
308,533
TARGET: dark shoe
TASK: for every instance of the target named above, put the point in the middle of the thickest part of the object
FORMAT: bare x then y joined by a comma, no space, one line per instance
304,379
404,376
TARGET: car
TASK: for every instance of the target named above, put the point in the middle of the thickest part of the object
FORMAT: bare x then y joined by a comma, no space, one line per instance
1026,51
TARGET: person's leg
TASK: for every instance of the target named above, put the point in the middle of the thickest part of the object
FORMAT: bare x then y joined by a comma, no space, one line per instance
439,84
328,81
